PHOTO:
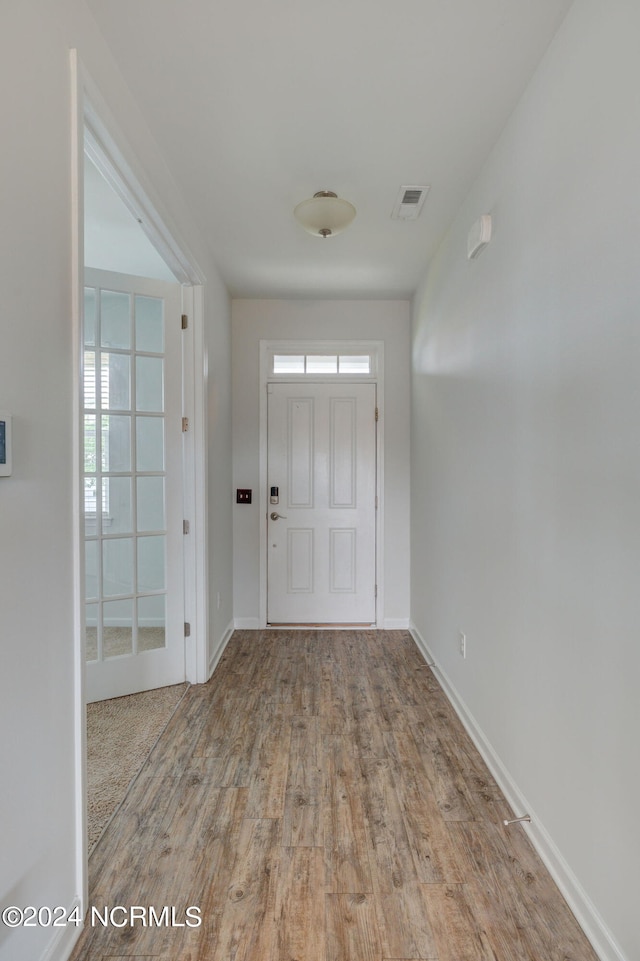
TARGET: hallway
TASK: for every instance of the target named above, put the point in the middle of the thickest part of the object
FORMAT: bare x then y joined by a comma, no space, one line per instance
318,800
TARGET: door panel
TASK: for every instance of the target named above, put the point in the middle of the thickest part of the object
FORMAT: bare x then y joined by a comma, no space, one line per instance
321,450
133,484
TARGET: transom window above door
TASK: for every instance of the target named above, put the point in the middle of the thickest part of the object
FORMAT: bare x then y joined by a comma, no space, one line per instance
321,364
322,360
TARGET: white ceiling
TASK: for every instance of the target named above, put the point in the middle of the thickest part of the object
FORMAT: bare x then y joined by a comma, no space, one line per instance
257,105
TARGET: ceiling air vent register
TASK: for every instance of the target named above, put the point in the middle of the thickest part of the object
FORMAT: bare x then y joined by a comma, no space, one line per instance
409,202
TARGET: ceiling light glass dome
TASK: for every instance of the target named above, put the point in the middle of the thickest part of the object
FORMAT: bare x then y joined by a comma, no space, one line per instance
325,214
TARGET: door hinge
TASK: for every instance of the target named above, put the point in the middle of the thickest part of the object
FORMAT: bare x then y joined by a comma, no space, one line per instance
184,321
376,502
187,629
375,591
185,425
377,413
185,527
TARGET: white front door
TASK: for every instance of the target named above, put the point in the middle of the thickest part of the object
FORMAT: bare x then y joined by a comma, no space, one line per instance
321,451
134,593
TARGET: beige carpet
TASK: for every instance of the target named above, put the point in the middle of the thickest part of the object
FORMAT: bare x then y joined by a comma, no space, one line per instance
120,735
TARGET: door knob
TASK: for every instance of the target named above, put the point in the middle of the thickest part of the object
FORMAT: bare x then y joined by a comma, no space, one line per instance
274,516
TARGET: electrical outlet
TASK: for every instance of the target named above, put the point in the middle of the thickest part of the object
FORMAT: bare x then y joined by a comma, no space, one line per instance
462,639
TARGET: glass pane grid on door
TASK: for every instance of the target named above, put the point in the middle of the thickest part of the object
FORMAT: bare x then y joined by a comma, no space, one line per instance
124,465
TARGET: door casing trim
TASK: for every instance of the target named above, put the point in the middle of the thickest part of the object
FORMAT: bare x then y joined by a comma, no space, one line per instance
92,119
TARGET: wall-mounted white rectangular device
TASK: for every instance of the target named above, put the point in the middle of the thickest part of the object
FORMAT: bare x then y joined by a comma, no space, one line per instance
5,443
479,236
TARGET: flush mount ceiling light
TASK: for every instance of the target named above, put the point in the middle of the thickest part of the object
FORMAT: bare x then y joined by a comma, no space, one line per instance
324,214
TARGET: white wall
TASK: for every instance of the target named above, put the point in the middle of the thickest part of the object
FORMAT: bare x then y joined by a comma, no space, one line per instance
220,525
253,320
37,802
526,459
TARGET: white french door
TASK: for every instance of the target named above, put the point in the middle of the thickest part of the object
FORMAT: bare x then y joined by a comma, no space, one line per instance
133,467
321,521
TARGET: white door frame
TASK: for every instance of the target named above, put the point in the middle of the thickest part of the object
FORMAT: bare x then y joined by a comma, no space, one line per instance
93,126
376,349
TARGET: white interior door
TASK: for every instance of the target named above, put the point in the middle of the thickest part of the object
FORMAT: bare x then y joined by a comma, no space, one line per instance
134,593
321,451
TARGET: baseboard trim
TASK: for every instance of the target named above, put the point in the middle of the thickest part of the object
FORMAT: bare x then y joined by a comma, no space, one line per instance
587,915
388,624
64,941
247,623
217,654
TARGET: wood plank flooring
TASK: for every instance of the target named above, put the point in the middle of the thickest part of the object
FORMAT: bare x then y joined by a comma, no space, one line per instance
319,800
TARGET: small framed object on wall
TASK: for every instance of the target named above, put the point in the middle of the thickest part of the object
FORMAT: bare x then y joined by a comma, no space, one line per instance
5,443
